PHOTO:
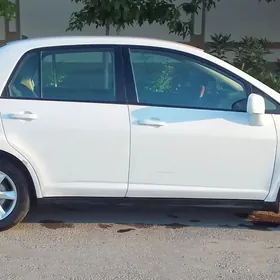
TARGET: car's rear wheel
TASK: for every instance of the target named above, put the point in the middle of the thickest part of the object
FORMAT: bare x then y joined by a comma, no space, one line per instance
14,195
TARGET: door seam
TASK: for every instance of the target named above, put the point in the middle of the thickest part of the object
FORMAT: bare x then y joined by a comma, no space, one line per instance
129,150
275,158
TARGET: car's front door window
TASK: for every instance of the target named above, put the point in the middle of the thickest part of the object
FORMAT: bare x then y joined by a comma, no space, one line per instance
163,78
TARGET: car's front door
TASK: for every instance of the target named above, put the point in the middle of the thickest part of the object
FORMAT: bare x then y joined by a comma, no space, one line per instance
187,140
64,110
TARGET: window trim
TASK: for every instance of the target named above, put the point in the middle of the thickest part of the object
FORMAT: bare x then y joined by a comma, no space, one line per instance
130,79
121,96
40,71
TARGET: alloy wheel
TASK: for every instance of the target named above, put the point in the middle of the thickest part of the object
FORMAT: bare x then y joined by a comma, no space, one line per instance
8,196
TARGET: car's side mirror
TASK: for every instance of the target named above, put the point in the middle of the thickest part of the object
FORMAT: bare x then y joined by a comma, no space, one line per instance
256,109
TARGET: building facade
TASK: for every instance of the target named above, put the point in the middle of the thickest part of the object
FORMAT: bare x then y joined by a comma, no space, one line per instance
37,18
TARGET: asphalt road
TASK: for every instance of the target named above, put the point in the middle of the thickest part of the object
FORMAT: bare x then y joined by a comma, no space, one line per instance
82,242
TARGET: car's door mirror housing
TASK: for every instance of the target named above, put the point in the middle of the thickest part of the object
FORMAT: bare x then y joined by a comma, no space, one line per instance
256,109
255,104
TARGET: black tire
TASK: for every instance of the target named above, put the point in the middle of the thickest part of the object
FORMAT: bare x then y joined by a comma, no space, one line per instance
23,199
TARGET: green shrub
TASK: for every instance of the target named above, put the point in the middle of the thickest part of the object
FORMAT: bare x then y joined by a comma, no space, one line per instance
249,56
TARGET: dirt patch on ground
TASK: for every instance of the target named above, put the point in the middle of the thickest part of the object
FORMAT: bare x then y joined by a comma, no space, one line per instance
50,224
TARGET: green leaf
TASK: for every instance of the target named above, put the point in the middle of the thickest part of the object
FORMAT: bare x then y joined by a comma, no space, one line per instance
7,9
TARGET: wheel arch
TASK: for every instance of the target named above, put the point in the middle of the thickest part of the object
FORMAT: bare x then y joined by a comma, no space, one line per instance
33,183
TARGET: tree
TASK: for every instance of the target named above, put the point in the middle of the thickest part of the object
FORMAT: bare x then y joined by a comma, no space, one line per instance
7,9
122,13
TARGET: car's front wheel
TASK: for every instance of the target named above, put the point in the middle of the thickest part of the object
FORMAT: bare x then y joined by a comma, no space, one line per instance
14,195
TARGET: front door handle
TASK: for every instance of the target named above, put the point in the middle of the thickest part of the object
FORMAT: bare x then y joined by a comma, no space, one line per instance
151,122
25,116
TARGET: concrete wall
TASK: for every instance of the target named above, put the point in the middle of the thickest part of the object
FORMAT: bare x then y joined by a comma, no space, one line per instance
238,17
50,18
245,18
241,18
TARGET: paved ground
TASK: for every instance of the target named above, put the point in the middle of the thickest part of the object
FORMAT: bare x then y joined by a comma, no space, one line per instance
78,242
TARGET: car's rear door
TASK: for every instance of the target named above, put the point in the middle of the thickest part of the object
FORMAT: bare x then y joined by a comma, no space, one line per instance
73,126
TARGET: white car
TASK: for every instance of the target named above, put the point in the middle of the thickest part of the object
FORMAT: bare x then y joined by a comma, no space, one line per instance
133,119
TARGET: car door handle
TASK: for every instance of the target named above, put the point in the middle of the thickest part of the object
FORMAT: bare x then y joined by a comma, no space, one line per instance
25,116
150,122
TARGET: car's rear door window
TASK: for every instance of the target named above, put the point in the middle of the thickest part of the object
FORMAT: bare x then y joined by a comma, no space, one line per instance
78,75
25,81
68,74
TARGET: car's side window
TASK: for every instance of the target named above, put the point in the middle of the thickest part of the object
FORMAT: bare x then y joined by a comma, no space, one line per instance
66,74
25,82
271,106
79,75
164,78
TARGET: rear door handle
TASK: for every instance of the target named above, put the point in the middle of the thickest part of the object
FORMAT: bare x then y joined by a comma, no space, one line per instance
25,116
151,122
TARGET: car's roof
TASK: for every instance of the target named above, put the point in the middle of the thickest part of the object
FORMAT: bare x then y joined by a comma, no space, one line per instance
33,43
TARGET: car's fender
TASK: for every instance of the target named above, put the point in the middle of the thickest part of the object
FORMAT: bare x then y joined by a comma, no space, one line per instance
6,147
